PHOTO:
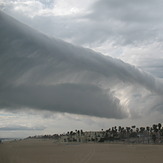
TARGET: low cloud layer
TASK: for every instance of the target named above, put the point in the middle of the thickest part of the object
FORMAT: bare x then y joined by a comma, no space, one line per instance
40,72
19,128
71,98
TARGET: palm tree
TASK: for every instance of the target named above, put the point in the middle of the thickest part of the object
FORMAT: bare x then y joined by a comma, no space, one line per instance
148,128
159,126
155,127
137,130
82,133
142,129
78,132
119,128
128,129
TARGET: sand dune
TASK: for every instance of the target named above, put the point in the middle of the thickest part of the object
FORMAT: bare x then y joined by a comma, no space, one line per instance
41,151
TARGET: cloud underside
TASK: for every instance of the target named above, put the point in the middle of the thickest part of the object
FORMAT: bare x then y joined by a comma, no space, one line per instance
40,72
72,98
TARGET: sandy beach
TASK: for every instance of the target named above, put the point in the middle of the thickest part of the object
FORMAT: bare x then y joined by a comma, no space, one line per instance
41,151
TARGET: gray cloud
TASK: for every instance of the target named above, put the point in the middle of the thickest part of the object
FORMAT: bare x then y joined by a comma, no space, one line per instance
153,65
20,128
41,72
47,3
72,98
127,11
132,22
118,22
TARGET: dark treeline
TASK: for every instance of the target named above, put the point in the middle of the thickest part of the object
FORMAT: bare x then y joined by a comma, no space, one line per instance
133,134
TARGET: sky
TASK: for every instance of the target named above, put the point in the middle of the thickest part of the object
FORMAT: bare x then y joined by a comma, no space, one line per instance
118,82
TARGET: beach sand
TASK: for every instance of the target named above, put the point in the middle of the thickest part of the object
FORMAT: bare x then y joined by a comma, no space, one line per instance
46,151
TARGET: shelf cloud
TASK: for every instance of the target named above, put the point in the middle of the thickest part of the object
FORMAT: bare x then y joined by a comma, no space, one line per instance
40,72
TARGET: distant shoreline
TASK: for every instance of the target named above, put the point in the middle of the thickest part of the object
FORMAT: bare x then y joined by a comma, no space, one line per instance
9,139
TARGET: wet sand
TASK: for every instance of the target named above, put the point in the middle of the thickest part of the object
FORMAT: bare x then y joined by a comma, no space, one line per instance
46,151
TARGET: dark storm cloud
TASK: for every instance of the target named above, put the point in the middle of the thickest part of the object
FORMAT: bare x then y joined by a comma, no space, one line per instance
72,98
40,72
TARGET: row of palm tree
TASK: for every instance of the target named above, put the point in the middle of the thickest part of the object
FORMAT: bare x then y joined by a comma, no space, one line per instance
116,133
122,133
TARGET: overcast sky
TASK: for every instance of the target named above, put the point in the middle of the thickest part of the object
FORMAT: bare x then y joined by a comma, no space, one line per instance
129,30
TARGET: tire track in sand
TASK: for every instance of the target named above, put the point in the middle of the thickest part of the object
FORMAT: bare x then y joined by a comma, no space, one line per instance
88,156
